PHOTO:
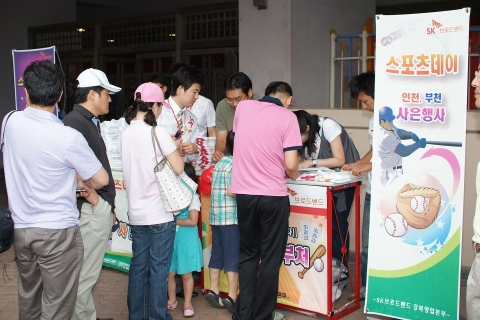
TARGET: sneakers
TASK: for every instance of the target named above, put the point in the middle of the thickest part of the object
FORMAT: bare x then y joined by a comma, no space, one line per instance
278,315
362,294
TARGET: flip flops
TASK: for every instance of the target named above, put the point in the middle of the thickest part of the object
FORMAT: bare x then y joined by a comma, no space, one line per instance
214,299
229,304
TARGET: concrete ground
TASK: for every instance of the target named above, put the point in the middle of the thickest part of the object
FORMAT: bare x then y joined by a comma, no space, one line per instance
110,294
110,297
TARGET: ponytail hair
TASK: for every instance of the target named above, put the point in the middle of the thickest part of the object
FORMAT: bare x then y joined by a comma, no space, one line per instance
140,105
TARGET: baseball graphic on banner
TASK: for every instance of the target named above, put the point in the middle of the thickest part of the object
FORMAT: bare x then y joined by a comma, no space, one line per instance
418,204
396,225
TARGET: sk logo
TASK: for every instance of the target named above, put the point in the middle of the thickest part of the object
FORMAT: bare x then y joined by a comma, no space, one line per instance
436,24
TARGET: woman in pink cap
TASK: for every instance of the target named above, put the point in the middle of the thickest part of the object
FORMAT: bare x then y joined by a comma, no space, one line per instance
152,228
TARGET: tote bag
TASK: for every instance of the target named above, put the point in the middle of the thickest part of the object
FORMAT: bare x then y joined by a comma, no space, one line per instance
176,190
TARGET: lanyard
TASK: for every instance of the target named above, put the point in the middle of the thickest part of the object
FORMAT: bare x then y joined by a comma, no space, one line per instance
176,120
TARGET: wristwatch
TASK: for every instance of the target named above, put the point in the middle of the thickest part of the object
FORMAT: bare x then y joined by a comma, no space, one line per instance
314,162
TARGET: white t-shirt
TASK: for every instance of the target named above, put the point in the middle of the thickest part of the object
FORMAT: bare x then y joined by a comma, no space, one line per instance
145,206
41,158
205,112
330,129
370,134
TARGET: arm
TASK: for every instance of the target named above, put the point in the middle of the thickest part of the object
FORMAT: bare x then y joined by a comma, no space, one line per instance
362,165
220,144
231,195
191,221
211,131
291,164
336,161
91,196
176,161
97,181
405,151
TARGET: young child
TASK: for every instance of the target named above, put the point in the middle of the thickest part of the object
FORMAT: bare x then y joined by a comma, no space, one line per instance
225,232
187,251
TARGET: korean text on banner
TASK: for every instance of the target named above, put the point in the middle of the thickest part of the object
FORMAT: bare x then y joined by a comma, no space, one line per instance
21,59
418,165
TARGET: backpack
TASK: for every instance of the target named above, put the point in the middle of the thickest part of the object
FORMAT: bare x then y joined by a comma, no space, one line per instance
6,221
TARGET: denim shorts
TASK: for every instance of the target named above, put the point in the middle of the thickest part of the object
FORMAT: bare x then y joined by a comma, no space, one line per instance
225,248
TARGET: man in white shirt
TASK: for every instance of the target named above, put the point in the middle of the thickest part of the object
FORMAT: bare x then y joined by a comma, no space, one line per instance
179,120
473,282
43,160
203,109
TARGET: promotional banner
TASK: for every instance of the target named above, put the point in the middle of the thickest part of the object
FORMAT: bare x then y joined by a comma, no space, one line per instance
119,247
418,165
21,59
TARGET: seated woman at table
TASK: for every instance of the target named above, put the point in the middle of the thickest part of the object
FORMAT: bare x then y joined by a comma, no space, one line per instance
327,144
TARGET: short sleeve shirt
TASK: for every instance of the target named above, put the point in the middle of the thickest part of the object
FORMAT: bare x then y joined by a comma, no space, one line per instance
223,208
135,146
41,159
264,131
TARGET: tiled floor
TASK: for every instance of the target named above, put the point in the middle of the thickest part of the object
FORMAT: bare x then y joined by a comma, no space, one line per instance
110,297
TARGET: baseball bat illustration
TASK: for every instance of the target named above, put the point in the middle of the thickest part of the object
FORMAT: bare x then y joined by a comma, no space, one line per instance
316,255
445,143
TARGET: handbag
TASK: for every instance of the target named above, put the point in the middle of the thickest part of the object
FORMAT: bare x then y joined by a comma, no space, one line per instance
176,190
6,221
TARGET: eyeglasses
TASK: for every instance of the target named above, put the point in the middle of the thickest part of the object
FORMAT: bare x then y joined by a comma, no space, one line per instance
236,100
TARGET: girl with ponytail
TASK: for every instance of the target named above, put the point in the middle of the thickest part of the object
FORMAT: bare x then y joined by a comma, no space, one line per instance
152,228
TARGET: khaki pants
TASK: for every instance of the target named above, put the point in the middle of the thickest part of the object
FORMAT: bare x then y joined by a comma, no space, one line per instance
473,290
49,263
95,227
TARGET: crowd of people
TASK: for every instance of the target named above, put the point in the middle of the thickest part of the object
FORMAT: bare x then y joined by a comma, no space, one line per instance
61,191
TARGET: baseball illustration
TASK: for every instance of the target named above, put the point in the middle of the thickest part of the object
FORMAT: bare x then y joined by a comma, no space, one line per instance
319,252
396,225
418,204
318,265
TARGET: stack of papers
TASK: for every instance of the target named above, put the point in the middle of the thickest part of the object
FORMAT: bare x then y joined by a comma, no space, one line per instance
110,132
324,175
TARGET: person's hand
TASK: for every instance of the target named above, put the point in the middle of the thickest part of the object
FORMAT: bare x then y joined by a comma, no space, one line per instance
305,164
360,167
178,143
349,166
189,148
422,142
217,156
415,137
91,196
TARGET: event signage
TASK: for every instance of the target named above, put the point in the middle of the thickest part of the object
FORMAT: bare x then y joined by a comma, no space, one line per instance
418,165
21,59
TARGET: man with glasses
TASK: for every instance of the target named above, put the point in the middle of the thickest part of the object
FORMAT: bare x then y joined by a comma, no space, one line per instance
473,282
92,99
238,87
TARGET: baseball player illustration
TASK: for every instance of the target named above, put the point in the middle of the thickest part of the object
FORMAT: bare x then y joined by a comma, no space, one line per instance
391,150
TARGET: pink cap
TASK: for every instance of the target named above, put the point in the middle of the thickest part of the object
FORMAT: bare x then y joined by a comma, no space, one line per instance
150,92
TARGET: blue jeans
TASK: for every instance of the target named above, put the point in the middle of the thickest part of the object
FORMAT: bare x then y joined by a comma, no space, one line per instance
152,248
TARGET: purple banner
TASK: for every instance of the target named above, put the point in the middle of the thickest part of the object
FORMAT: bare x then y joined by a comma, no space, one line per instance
21,59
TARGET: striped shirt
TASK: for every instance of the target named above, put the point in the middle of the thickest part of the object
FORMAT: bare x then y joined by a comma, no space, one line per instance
223,208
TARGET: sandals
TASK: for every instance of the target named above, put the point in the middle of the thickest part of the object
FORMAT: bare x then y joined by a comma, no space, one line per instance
172,306
188,312
214,299
229,304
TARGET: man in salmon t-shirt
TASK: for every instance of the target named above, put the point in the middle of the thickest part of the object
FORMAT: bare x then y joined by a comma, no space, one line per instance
267,138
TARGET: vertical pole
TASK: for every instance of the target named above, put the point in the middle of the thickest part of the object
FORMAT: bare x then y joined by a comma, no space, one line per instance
333,36
341,75
364,48
178,37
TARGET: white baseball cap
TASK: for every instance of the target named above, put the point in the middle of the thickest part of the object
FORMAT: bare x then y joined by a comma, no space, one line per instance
95,78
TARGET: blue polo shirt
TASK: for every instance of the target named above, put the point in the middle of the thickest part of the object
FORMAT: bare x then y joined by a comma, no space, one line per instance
41,157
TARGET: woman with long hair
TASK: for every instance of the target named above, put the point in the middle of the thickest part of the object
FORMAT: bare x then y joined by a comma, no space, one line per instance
152,228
